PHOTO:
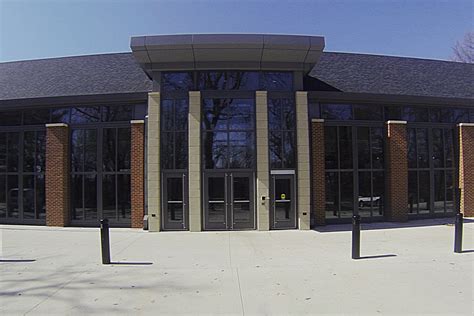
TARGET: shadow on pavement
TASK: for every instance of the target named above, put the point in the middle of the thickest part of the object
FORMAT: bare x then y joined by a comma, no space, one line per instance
377,256
468,251
132,263
16,260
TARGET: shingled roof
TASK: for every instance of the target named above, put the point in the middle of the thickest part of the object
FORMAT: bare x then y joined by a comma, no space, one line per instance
119,73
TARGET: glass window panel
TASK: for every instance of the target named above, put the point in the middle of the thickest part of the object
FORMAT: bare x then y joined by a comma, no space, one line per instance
471,115
108,197
174,189
449,147
273,81
215,113
181,150
439,194
124,149
415,114
167,150
332,194
276,149
376,142
412,157
181,114
38,116
85,114
274,114
3,152
330,147
90,197
10,118
216,189
336,111
438,148
241,187
347,194
241,149
314,110
124,196
424,191
289,150
412,192
228,80
460,115
3,196
345,147
241,116
29,145
109,149
367,112
77,150
60,115
363,147
13,151
28,197
450,207
77,198
289,114
440,115
167,115
215,150
378,198
176,81
40,162
422,147
393,113
113,113
365,194
40,197
90,150
13,196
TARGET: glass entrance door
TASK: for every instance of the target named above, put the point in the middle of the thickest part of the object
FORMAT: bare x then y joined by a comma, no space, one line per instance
283,210
175,211
229,203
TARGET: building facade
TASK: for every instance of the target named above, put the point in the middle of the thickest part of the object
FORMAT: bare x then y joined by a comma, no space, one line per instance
234,132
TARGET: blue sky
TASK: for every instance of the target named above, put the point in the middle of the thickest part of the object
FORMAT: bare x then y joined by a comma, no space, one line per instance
31,29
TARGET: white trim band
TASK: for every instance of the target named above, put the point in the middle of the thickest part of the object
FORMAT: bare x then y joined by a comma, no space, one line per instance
56,125
466,124
396,122
137,122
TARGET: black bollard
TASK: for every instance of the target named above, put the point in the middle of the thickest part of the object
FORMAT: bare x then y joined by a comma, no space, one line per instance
458,233
356,237
104,240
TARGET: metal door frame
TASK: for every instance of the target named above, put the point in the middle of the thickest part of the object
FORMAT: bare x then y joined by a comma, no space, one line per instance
293,221
166,223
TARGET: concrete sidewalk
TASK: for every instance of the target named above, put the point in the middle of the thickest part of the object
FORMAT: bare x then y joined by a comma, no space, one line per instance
413,271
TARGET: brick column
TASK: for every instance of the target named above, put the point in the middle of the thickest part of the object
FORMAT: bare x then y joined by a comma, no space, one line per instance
466,168
153,162
137,182
57,175
318,171
263,176
303,175
396,195
194,161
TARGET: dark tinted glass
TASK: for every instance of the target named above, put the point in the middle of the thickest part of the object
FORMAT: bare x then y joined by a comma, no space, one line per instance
3,152
29,145
215,149
181,115
90,150
215,113
124,196
313,109
289,150
424,191
10,118
77,201
40,197
412,192
460,115
77,150
60,115
181,150
449,147
90,196
332,194
440,115
393,113
85,114
449,191
276,148
117,113
439,192
13,196
13,151
378,187
415,114
3,196
241,116
336,111
124,149
39,116
345,147
368,112
281,114
228,80
167,150
412,157
365,194
363,147
167,115
29,197
347,194
276,81
331,146
108,197
40,162
438,148
471,115
241,149
376,142
109,149
422,147
175,81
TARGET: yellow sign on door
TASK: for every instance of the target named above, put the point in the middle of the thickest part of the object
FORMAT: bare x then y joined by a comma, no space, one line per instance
283,196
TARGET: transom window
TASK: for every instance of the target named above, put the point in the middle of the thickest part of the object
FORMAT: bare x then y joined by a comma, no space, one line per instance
282,133
174,135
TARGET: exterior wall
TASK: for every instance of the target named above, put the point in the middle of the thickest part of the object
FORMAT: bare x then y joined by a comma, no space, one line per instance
153,162
263,176
137,173
396,171
194,161
466,167
303,158
57,175
318,171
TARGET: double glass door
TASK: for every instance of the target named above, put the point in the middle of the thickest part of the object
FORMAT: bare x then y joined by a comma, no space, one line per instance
282,202
228,201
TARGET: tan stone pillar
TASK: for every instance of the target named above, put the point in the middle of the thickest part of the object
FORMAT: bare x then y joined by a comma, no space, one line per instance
153,162
303,158
137,177
466,168
263,176
57,175
194,161
396,195
318,171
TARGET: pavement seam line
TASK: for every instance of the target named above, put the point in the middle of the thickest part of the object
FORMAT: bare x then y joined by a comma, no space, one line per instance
240,292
